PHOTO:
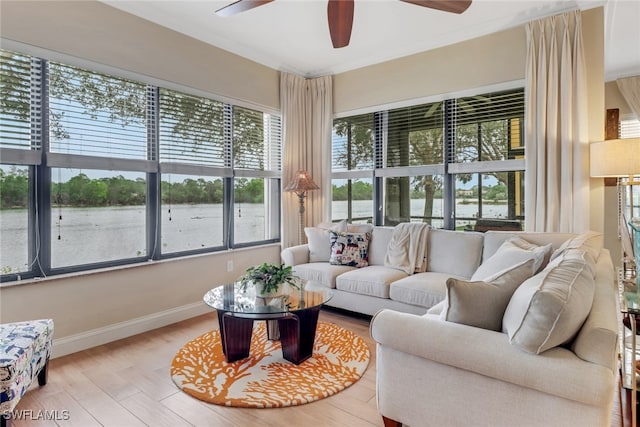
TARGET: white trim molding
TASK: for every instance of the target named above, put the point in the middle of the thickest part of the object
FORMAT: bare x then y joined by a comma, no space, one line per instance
95,337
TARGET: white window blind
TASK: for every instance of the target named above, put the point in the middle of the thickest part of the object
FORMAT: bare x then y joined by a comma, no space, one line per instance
629,128
256,140
192,130
352,145
92,114
15,97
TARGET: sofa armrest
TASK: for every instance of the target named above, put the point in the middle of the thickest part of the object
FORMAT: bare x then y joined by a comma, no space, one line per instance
295,255
557,371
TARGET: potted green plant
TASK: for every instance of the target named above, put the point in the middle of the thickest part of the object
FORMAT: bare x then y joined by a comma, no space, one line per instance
267,278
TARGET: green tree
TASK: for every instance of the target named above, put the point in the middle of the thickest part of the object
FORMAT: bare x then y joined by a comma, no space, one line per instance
14,188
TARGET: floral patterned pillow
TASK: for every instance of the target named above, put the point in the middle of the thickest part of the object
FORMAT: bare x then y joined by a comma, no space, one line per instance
350,249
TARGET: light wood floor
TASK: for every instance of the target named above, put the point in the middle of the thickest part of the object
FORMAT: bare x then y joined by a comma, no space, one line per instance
126,383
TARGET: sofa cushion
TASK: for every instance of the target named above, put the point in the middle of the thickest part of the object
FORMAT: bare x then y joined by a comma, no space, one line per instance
373,280
321,273
494,239
512,252
548,309
422,289
482,303
318,238
454,252
380,238
591,242
350,249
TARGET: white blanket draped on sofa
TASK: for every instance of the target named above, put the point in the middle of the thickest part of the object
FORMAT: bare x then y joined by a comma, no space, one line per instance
407,249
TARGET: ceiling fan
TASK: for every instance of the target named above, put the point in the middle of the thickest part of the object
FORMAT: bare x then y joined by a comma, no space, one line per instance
340,13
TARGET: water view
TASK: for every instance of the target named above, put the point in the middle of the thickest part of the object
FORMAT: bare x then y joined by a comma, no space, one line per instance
87,235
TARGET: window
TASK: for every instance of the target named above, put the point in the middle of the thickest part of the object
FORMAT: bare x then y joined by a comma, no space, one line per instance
257,160
20,151
352,155
447,163
98,170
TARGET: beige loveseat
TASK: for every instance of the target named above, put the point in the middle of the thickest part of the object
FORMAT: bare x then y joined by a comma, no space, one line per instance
435,370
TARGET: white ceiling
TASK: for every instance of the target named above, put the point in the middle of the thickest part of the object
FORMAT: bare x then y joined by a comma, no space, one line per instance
293,35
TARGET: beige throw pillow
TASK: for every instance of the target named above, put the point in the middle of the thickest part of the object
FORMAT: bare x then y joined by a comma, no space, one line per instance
319,239
512,252
590,241
482,304
548,309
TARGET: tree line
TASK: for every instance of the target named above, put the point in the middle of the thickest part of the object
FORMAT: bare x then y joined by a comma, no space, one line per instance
82,191
364,191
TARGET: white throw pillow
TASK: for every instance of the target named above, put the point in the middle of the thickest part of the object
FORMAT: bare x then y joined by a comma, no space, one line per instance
512,252
319,239
482,304
549,309
591,241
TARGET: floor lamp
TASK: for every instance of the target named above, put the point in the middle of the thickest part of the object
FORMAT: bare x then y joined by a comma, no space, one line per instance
619,158
301,183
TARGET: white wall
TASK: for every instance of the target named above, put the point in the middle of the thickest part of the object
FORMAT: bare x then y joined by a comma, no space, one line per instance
93,308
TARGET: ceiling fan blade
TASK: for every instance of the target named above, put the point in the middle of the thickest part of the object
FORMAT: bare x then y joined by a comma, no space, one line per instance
340,15
453,6
240,6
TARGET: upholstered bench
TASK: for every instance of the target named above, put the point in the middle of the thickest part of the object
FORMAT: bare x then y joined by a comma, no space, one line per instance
25,348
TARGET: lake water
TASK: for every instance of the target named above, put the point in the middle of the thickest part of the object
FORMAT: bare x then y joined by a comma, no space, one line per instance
87,235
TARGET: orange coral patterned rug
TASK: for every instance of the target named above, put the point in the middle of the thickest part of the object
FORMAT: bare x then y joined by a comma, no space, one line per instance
265,379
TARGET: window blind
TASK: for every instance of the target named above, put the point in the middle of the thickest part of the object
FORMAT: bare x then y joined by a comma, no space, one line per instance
414,135
256,140
96,115
352,145
15,97
191,129
489,127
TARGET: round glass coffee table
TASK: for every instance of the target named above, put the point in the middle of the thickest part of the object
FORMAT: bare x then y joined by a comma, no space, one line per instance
292,318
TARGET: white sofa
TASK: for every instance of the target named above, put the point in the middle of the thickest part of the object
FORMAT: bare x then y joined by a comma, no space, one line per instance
369,289
433,372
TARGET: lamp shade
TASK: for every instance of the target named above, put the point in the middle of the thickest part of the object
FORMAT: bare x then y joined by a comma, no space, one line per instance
615,158
301,183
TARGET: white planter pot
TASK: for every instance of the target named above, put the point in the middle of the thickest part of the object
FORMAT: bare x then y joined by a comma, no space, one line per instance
271,294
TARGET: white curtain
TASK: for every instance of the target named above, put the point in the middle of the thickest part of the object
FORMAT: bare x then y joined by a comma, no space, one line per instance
306,123
556,132
630,89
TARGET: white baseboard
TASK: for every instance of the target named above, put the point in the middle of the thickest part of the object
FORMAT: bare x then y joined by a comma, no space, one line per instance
116,331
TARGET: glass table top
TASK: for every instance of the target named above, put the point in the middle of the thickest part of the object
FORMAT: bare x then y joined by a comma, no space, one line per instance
232,298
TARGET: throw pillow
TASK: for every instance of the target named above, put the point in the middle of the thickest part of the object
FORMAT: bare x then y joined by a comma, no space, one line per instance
591,241
512,252
482,303
319,239
350,249
548,309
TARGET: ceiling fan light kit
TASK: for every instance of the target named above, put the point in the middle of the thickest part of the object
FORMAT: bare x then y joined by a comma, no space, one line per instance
340,13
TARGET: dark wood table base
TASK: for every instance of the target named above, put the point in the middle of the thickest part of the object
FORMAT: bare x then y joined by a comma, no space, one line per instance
297,334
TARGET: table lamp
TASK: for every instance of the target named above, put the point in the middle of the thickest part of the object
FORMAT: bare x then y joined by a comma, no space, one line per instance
301,183
619,158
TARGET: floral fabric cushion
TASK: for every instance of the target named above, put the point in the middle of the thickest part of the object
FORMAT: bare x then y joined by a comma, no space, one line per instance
25,348
350,249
